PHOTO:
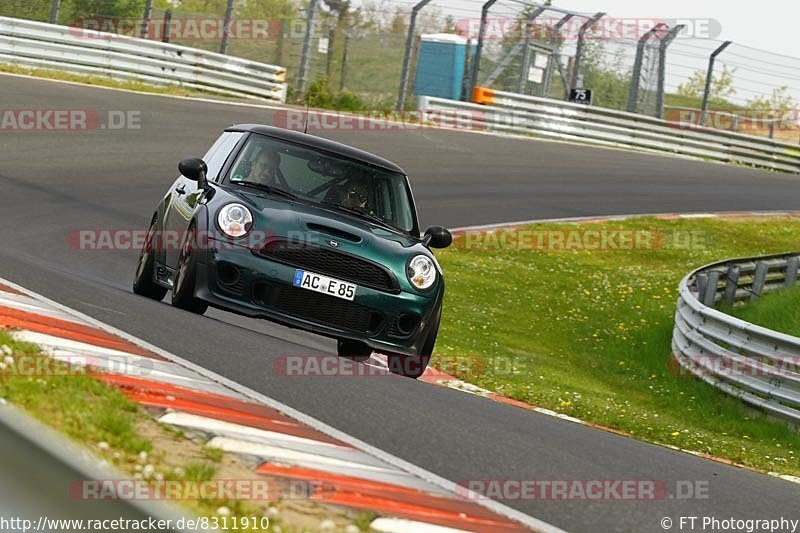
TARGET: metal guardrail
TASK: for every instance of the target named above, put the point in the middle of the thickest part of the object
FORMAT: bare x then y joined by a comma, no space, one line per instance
753,363
735,121
545,117
48,46
40,474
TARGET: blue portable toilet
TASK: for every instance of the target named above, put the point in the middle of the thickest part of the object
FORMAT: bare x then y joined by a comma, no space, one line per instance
440,65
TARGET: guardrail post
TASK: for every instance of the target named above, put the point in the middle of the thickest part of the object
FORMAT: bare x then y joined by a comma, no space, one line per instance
576,65
709,295
701,281
662,67
791,271
758,281
731,285
148,9
226,30
526,51
412,26
633,92
304,59
709,74
54,7
476,63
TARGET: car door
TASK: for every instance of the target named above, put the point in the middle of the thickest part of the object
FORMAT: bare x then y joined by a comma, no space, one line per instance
185,195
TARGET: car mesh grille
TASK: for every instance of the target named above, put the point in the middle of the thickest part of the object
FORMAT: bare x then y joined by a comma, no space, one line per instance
330,263
318,308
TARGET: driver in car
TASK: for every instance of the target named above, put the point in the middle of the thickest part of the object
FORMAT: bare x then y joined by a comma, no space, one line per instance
265,168
355,194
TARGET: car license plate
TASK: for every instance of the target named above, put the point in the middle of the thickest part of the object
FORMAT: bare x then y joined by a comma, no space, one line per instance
324,284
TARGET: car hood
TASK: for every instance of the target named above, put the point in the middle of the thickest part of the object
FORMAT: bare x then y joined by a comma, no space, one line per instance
282,218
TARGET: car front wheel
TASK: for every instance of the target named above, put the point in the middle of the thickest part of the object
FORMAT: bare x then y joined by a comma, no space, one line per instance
183,287
144,280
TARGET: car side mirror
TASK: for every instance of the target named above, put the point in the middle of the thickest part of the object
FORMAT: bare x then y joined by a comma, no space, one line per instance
437,237
195,169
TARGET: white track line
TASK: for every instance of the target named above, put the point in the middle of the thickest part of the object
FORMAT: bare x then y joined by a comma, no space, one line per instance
29,305
213,425
400,525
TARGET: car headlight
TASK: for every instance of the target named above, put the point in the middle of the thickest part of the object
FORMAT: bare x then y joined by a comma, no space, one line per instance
235,220
421,272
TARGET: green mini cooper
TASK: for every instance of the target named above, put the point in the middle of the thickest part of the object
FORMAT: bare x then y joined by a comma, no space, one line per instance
303,231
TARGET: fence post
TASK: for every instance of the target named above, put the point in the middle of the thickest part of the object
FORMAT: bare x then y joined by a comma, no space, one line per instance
662,67
54,7
223,46
709,74
524,62
304,59
476,63
148,9
576,64
345,51
633,92
556,55
167,21
465,96
758,281
412,25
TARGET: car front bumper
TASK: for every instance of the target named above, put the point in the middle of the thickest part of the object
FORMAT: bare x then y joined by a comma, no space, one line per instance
263,288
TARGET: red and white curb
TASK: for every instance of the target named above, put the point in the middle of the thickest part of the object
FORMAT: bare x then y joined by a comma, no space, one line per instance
286,443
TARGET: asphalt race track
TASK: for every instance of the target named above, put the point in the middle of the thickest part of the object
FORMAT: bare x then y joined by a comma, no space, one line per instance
55,182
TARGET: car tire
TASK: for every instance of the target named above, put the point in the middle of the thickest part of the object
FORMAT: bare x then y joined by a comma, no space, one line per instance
413,366
144,283
355,350
185,275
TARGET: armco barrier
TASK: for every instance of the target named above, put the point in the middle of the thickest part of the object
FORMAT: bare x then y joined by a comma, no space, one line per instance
753,363
47,46
544,117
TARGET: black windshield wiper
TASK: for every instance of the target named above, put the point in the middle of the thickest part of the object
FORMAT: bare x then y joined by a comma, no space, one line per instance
269,188
361,214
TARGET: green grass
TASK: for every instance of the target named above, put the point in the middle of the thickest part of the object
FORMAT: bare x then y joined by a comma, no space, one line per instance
588,334
104,81
696,102
77,404
779,311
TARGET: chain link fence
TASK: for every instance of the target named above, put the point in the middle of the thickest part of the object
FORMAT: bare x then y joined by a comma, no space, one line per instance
353,57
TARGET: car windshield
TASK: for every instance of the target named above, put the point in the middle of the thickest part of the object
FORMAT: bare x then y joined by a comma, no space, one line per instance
347,185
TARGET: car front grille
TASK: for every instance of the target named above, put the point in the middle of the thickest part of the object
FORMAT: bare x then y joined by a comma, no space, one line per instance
330,263
319,308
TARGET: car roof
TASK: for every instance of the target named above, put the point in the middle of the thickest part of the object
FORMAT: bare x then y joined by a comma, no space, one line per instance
318,142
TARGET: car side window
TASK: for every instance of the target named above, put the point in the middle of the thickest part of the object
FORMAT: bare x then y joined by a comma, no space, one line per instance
218,153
